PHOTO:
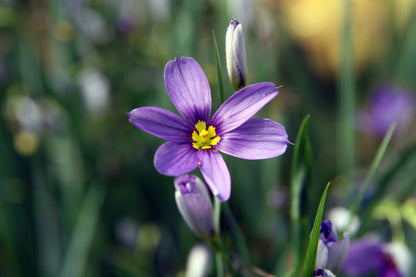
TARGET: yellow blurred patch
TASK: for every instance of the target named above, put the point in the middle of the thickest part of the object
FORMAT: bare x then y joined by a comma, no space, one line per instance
26,143
316,25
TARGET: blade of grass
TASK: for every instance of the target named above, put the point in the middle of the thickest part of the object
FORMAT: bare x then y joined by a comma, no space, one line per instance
371,172
236,235
383,184
346,96
310,259
83,235
219,70
301,177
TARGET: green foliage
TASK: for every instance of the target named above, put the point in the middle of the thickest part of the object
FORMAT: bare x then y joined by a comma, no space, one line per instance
309,264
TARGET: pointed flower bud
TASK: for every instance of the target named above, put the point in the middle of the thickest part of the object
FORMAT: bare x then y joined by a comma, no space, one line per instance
194,203
331,251
236,55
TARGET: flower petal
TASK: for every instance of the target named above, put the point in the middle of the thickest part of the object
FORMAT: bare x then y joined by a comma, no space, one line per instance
188,88
174,159
161,123
258,138
216,174
242,105
338,252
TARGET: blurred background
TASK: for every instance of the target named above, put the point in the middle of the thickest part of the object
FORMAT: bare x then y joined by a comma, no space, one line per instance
79,195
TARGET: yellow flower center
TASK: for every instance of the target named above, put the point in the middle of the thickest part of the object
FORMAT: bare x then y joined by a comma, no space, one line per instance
204,138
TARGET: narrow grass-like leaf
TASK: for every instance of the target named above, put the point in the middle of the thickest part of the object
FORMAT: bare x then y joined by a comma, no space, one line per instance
219,69
82,237
371,172
236,235
310,259
382,186
301,178
346,93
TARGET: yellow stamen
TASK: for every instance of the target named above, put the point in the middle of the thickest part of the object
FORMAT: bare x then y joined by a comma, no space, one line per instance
204,138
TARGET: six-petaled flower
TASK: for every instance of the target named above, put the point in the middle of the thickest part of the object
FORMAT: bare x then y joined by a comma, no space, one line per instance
195,139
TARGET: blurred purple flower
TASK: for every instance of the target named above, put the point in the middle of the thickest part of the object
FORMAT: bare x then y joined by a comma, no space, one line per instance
194,203
196,139
387,105
368,256
331,251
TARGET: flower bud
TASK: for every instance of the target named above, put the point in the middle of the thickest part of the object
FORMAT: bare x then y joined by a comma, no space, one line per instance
235,55
331,251
194,203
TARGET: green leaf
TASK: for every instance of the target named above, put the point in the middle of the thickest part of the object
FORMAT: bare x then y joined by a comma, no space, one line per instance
403,158
219,70
309,265
237,237
83,235
346,95
301,184
302,168
371,172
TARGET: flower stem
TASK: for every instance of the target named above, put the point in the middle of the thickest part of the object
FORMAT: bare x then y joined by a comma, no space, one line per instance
346,102
371,172
218,255
220,264
219,69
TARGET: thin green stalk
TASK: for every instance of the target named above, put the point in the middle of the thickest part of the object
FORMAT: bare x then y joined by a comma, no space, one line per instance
346,97
217,203
220,264
83,234
218,254
404,157
236,235
371,172
219,70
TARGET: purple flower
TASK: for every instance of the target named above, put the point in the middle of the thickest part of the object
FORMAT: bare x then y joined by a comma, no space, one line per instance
195,139
323,273
387,105
331,251
194,203
368,256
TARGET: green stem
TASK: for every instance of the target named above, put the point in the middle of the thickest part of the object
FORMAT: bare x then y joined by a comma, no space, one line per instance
236,235
346,96
218,254
219,70
220,264
371,172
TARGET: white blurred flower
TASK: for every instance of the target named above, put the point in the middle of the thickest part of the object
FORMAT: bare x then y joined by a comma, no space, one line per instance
95,90
401,255
92,24
198,261
159,9
26,111
340,217
126,231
